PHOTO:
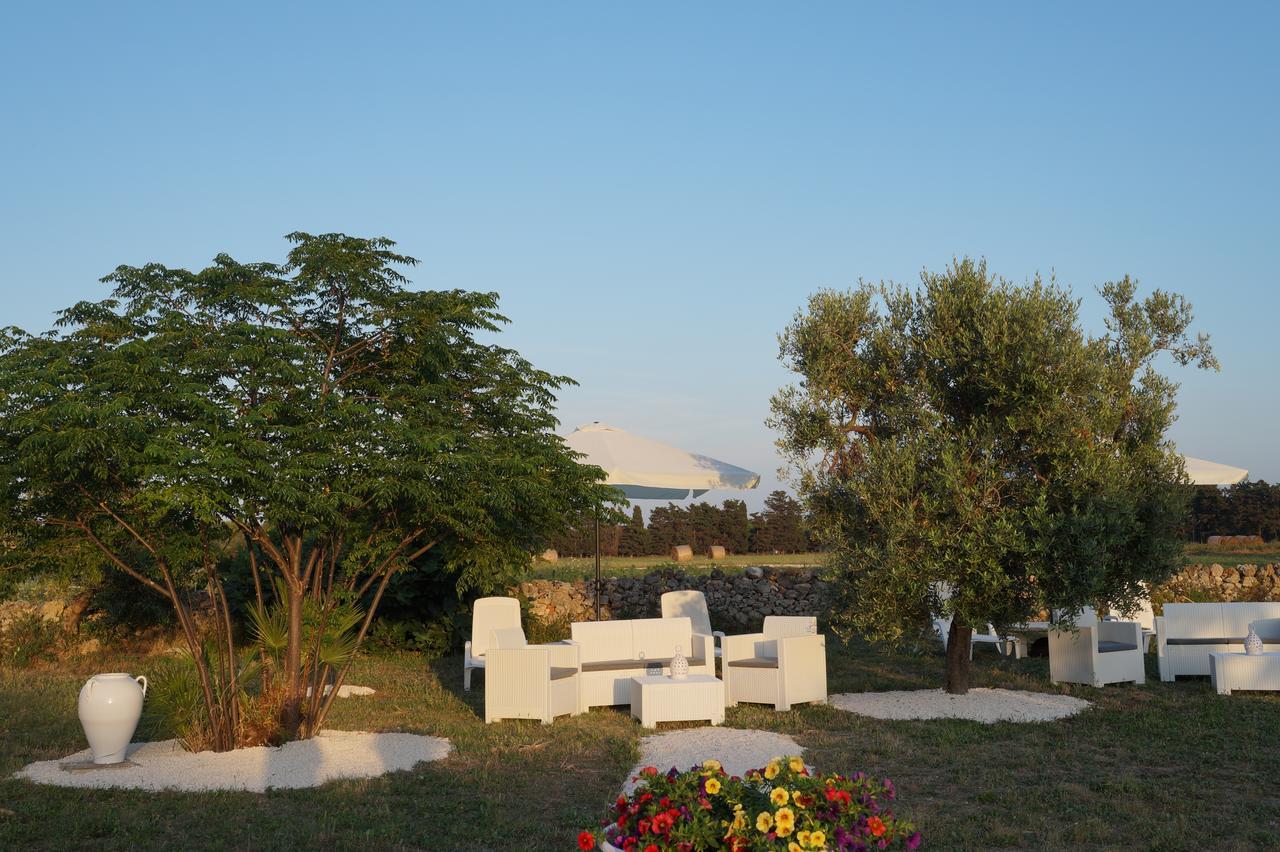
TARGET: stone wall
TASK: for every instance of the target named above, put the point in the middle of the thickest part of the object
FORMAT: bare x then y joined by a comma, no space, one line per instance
1241,582
737,600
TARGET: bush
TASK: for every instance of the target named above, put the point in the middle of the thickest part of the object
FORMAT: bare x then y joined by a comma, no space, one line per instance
26,639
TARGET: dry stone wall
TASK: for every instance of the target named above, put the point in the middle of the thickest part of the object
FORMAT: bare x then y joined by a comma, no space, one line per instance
737,600
1240,582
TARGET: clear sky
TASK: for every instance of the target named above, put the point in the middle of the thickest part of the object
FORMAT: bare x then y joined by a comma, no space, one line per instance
655,188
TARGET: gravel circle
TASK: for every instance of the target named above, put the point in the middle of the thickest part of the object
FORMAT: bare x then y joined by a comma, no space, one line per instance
979,705
737,749
166,765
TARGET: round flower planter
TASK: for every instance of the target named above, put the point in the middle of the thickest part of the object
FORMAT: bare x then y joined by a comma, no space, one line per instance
110,706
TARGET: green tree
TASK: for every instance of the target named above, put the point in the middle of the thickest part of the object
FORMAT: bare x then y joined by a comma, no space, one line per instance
735,526
634,539
338,423
970,435
779,526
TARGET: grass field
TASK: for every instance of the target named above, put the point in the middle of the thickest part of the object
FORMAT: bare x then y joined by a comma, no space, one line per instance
574,567
571,568
1162,766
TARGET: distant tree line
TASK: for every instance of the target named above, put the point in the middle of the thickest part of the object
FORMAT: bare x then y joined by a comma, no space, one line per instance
1249,508
778,528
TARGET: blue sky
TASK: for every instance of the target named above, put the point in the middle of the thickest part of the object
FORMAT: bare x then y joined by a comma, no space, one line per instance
656,188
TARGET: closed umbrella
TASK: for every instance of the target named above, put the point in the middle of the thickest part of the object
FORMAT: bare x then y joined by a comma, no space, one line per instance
1212,473
645,469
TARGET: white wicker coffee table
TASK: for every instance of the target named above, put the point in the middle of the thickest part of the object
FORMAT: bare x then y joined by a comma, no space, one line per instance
1234,670
659,698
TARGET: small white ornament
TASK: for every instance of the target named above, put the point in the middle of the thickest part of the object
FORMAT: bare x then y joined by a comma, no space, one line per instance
679,666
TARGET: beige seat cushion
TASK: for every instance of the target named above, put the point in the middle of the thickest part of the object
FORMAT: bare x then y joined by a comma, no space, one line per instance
560,673
623,665
756,663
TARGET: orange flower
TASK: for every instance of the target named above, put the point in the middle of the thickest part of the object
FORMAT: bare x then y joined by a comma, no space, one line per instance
875,825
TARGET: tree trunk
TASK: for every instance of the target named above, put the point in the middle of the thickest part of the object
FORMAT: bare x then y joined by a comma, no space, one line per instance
956,680
291,713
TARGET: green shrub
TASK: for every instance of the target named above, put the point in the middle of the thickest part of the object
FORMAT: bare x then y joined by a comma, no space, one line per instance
27,639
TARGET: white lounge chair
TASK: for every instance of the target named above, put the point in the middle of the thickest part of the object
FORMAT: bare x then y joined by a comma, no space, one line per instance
1097,653
692,604
524,681
784,664
487,615
1004,644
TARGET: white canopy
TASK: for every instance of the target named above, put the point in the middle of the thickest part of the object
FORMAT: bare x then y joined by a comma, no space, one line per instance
1211,473
644,469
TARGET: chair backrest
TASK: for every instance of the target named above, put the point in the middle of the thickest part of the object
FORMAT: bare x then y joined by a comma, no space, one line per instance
506,637
488,614
1236,616
782,626
658,638
1268,629
690,604
602,641
1193,620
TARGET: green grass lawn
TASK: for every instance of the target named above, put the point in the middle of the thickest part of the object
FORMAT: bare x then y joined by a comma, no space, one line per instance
576,567
1203,554
1163,766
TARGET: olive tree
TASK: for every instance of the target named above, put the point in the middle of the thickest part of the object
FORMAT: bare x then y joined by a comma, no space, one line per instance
317,411
966,448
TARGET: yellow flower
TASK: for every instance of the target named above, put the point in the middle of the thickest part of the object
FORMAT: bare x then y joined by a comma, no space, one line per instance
739,819
802,837
713,786
764,822
794,847
818,839
784,821
713,765
779,796
771,771
796,764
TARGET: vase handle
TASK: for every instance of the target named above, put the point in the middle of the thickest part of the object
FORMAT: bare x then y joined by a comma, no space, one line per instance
141,679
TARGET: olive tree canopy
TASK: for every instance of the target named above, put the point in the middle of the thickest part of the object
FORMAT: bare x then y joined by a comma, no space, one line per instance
965,448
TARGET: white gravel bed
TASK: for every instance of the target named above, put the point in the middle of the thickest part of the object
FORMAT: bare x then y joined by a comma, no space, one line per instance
167,765
979,705
737,750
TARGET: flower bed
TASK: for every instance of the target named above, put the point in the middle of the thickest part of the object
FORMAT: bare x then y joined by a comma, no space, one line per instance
779,807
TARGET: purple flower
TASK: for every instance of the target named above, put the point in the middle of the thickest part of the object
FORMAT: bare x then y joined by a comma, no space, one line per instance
890,789
913,842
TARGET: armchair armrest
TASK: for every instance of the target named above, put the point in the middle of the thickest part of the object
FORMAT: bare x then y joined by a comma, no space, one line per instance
561,655
794,647
703,647
740,647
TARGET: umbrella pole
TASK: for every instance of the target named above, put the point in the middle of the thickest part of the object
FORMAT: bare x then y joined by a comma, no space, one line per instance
597,564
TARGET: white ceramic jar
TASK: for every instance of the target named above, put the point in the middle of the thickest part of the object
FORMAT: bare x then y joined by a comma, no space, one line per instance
110,707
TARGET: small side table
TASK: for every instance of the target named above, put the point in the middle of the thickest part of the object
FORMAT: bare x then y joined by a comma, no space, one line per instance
658,698
1232,670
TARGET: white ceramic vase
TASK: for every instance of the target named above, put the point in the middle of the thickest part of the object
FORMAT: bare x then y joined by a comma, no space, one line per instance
110,706
679,666
1252,643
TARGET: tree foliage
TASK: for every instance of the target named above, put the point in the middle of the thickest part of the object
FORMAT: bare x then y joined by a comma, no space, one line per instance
339,423
969,436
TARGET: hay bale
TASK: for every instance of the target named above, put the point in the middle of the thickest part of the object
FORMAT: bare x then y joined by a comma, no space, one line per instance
715,551
1214,539
681,553
549,556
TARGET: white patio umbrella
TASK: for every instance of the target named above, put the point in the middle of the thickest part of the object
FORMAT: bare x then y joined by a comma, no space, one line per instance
645,469
1212,473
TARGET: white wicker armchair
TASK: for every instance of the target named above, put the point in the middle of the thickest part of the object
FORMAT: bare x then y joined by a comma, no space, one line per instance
487,615
1097,654
529,681
784,664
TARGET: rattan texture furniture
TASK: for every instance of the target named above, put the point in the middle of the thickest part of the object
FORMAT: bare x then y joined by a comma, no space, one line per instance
529,681
1231,671
1097,654
692,604
487,614
784,664
657,699
1188,633
613,652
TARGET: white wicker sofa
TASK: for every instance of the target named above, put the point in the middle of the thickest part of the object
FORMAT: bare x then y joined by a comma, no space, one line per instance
611,653
1188,633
